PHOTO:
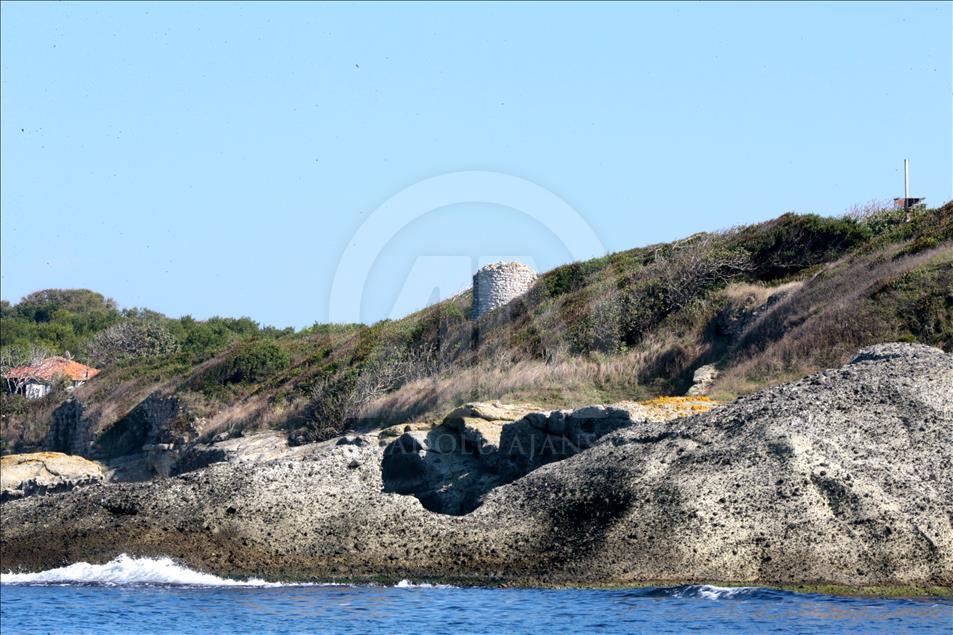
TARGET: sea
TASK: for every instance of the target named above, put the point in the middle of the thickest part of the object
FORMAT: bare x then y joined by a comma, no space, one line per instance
145,595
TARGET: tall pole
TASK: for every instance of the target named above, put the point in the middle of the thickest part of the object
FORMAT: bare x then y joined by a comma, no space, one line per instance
906,180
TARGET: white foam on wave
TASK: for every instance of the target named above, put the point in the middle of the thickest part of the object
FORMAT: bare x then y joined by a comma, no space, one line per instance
125,570
129,571
407,584
711,592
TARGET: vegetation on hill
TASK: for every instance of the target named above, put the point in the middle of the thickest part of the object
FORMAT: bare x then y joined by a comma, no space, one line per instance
91,328
764,303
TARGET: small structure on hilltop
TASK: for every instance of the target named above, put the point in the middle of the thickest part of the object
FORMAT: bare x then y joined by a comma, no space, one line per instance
499,283
36,381
907,201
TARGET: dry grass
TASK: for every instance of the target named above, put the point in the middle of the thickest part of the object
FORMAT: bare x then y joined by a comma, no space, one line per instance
820,324
568,382
619,328
817,323
254,412
757,294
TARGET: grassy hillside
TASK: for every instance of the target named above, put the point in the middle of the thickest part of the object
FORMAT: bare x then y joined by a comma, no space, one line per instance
765,303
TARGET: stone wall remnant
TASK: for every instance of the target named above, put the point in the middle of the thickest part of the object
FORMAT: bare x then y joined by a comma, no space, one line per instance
498,284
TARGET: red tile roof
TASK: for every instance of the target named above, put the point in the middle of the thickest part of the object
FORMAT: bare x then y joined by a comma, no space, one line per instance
52,367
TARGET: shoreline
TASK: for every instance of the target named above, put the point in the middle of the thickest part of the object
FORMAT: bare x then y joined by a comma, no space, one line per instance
470,582
804,487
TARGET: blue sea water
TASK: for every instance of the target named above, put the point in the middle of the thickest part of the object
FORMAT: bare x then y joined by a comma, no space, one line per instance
170,599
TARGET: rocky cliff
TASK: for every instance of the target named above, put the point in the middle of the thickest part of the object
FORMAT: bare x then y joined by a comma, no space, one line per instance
844,477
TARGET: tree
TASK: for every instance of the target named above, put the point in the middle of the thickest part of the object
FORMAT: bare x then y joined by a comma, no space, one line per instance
40,306
132,339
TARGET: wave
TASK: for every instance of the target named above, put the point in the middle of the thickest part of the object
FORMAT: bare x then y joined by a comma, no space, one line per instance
125,570
407,584
128,571
711,592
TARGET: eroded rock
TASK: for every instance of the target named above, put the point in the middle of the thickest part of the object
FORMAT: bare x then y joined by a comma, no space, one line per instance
702,380
45,472
451,467
70,431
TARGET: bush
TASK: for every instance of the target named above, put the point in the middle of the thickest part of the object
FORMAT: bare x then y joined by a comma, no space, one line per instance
131,340
884,220
564,279
43,306
57,319
921,301
339,397
200,340
918,244
793,243
256,361
600,330
680,274
433,327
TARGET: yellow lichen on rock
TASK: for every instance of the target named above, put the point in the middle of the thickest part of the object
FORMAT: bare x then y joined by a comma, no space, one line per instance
666,408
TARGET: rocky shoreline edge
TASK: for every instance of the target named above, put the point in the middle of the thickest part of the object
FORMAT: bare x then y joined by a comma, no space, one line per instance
840,482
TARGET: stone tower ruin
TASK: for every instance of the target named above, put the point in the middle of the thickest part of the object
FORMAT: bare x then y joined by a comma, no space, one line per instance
495,285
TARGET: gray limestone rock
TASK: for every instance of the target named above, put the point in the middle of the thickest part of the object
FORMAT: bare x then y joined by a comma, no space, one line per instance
844,477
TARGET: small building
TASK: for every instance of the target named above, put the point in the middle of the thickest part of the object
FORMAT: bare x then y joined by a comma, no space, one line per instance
908,202
36,381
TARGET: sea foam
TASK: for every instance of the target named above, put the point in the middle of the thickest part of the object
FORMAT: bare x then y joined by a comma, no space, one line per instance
711,592
125,570
407,584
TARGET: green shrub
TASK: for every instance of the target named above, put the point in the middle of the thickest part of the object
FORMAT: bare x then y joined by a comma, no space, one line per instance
599,331
256,361
680,275
792,243
563,280
921,301
885,220
56,319
918,244
432,328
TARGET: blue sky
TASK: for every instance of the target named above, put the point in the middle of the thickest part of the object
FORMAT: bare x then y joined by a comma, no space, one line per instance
220,158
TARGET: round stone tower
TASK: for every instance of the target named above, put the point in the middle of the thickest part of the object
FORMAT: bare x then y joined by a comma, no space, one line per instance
495,285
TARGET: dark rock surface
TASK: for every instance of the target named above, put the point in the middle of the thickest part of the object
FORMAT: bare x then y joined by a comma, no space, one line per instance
157,420
69,430
453,466
844,477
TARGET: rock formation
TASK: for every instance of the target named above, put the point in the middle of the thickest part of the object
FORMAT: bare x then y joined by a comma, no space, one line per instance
70,430
45,472
702,380
843,477
480,446
157,430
